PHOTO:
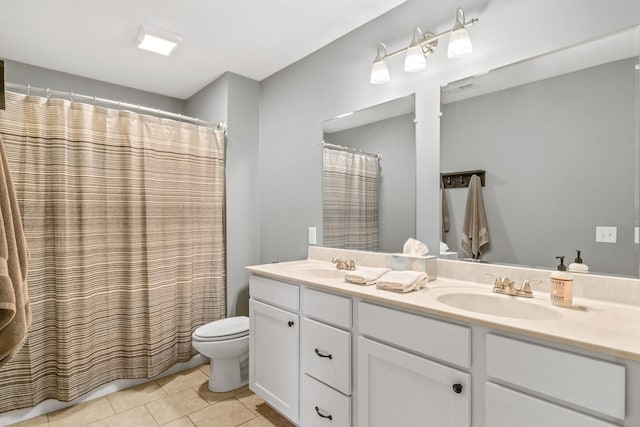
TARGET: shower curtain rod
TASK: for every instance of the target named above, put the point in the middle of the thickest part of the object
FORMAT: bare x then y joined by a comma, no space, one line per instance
96,100
351,150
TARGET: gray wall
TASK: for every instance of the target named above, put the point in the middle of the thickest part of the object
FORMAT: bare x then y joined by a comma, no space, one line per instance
335,80
235,99
560,157
16,72
394,138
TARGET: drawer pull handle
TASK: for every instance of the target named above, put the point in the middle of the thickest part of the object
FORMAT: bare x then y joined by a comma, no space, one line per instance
290,323
322,415
328,356
457,388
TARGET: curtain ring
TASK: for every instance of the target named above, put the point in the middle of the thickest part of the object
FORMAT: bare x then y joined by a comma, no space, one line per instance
71,96
28,90
48,91
94,100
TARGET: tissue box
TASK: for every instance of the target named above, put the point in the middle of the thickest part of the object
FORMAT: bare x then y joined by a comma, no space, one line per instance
428,264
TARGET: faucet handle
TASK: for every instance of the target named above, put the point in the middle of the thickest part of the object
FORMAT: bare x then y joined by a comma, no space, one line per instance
352,265
498,283
526,285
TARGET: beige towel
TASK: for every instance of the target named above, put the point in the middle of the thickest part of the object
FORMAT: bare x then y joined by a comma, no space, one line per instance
15,311
365,275
402,281
474,230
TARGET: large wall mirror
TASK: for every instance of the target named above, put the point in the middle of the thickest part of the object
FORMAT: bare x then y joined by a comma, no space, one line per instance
558,138
387,129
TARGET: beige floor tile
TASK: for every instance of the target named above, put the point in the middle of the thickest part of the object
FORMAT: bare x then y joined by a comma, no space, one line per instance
270,414
180,422
136,396
41,421
81,414
183,380
205,369
228,413
213,397
259,422
250,400
176,406
135,417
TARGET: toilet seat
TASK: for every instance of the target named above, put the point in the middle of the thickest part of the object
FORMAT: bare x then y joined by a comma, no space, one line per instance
223,329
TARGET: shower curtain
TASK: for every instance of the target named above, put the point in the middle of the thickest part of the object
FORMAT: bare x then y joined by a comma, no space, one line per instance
124,217
350,200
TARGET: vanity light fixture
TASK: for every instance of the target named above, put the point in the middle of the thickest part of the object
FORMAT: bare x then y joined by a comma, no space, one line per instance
379,70
157,41
422,46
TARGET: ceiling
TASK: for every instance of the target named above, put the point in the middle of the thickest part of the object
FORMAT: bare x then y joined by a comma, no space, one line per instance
252,38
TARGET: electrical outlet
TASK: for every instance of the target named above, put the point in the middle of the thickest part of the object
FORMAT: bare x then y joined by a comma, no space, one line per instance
312,235
606,234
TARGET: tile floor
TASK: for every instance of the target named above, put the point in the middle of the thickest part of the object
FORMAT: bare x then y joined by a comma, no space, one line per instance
179,400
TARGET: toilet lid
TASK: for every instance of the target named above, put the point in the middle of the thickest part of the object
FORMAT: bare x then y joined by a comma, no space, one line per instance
232,327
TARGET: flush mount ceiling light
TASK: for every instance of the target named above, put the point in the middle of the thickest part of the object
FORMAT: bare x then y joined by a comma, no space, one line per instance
422,46
157,41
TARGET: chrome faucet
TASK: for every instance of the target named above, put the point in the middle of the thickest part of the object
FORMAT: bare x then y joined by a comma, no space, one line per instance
504,285
342,264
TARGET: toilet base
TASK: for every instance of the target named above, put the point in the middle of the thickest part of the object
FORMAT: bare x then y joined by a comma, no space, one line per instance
227,375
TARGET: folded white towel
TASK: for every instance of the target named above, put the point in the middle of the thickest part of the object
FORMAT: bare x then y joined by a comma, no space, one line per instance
414,247
402,281
365,275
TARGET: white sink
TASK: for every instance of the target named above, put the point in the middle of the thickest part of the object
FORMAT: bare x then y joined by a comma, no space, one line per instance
319,272
499,305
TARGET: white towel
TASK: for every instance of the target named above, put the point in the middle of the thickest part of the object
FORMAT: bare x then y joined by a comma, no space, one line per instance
365,275
474,230
402,281
413,247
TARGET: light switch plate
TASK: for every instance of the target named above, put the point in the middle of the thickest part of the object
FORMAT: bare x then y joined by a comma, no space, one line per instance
606,234
312,235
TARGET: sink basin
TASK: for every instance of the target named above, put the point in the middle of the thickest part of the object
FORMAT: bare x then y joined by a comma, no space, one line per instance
323,273
499,305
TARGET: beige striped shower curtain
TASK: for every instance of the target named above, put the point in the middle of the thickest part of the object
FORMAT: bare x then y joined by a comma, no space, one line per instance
350,200
124,217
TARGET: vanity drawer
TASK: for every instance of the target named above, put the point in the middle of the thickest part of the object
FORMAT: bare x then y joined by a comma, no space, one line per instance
590,383
325,354
274,292
433,338
328,308
320,402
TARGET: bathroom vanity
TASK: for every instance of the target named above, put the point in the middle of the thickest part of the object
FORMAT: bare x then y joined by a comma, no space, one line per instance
324,352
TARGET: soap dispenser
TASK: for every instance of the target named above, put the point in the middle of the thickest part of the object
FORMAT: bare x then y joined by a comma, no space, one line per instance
578,266
561,286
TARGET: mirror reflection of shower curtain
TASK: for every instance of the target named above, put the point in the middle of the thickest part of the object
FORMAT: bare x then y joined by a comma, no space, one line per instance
350,200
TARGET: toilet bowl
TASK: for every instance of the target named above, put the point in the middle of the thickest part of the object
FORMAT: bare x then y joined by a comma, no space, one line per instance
226,343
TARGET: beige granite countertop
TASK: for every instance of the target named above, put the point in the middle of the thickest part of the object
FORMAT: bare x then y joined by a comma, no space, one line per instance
606,327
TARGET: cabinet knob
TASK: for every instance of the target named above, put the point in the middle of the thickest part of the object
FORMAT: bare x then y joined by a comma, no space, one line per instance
322,415
290,323
328,356
457,388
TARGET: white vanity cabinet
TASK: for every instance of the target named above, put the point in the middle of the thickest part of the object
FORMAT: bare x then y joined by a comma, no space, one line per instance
398,384
533,385
326,359
274,344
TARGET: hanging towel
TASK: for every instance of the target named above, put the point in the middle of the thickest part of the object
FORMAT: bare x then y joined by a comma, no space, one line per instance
365,275
445,213
15,311
402,281
474,230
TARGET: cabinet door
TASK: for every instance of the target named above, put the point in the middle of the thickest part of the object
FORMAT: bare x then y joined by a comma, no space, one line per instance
508,408
397,388
273,357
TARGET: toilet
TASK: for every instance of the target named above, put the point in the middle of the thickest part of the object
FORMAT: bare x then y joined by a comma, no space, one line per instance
226,343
